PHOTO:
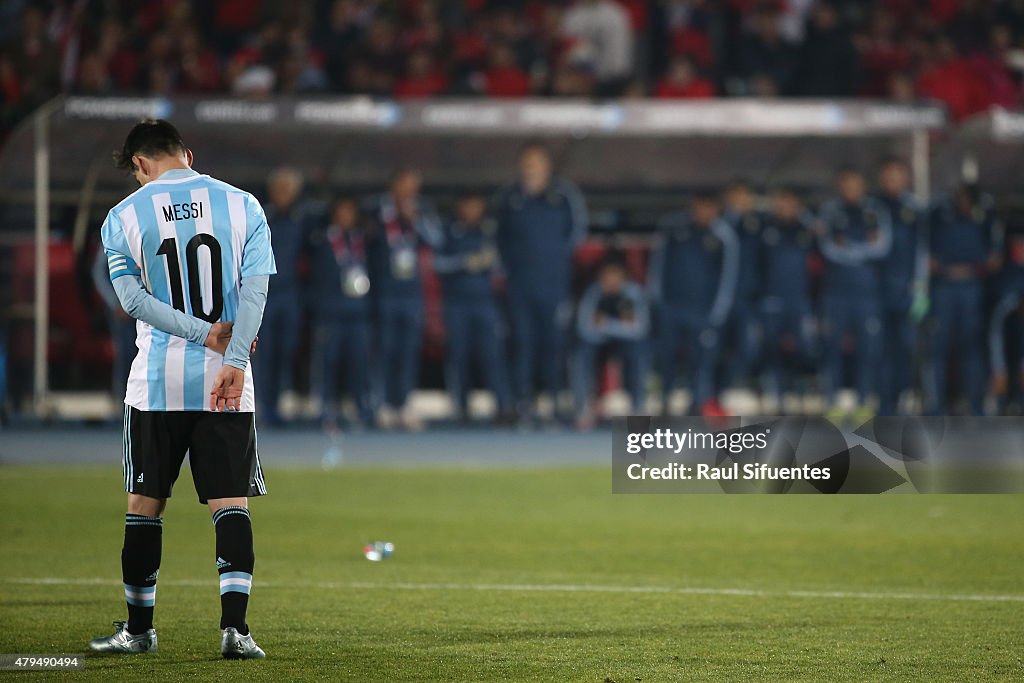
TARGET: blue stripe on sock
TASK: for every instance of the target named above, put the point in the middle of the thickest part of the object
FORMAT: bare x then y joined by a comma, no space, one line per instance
140,596
235,587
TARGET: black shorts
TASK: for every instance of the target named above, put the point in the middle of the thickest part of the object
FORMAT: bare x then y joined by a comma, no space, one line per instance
221,449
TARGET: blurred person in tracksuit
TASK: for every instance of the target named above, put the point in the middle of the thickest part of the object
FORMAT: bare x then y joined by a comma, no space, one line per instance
855,236
743,328
904,273
787,241
541,218
1007,324
341,308
120,324
466,260
693,276
401,222
613,318
964,246
288,217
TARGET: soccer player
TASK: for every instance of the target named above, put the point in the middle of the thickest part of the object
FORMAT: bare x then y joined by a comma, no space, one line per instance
401,222
904,280
341,288
541,217
855,236
190,259
693,277
742,331
292,219
614,318
787,241
965,250
466,260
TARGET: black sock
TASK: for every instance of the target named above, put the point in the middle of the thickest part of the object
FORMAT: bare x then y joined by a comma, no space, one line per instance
140,564
235,561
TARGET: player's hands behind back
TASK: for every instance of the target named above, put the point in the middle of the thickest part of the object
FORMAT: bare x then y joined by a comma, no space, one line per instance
226,392
220,337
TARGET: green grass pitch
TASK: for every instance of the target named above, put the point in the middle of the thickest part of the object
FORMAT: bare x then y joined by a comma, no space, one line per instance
530,575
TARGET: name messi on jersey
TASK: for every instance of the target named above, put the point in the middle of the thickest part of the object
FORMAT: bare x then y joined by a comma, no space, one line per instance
183,212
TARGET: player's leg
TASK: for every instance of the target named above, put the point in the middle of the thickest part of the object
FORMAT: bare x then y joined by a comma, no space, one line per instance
892,361
943,324
970,345
668,338
457,341
267,363
634,365
833,326
140,559
869,352
410,348
329,341
386,340
772,384
583,383
357,370
226,471
524,342
705,361
487,341
154,447
553,321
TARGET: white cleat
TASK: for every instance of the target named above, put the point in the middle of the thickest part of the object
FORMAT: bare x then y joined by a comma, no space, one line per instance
122,642
233,645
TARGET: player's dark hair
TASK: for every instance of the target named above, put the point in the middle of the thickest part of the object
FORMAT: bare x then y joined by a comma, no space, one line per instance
740,183
848,169
151,138
344,199
893,160
613,259
535,146
404,170
704,195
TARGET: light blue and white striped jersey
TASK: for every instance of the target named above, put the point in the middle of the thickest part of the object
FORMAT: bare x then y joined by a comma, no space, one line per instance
192,239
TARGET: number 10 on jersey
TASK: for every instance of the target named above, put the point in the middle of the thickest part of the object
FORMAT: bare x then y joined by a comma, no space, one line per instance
169,249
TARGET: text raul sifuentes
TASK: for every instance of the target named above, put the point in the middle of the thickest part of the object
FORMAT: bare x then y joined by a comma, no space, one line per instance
731,442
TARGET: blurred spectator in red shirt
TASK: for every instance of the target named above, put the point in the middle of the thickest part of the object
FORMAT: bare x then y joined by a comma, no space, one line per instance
682,81
949,78
883,51
996,69
503,77
122,63
422,77
200,69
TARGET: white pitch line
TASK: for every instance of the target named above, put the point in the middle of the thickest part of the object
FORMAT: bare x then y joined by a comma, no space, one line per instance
552,588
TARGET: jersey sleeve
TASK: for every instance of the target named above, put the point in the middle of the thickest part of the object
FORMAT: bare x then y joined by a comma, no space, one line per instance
115,244
257,254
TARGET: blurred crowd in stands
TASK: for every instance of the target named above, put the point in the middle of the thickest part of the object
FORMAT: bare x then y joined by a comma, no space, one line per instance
968,54
916,308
